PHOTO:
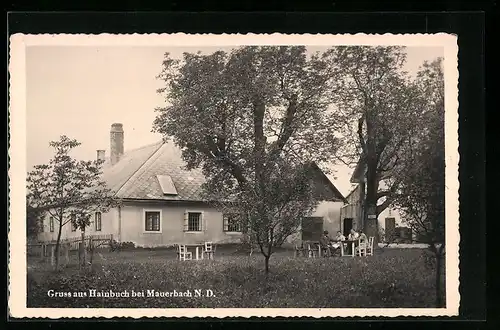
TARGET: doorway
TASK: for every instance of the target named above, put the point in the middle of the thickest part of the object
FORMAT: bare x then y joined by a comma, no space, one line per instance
390,227
347,226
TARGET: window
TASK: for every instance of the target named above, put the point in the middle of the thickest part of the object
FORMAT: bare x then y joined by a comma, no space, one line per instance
152,221
166,184
231,222
73,223
51,224
193,221
97,221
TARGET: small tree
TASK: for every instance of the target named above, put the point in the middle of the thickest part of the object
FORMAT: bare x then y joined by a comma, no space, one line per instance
68,190
268,219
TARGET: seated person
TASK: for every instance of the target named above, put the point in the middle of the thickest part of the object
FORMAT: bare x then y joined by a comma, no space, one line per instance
338,238
362,236
324,242
353,236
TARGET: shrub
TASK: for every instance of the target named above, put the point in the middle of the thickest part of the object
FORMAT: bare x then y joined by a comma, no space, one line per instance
118,246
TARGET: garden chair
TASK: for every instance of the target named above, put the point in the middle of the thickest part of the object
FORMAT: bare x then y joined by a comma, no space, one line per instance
209,250
325,251
184,254
299,251
361,248
369,246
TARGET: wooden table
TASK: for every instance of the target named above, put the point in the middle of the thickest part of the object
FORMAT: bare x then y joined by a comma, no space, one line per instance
346,244
197,247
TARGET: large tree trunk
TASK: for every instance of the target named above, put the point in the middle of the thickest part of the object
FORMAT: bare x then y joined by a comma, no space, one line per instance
266,260
371,159
370,214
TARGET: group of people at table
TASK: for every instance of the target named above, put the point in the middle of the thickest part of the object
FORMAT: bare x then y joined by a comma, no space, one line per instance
329,245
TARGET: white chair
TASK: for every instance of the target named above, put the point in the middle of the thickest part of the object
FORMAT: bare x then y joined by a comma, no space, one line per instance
361,248
369,246
209,250
184,254
342,247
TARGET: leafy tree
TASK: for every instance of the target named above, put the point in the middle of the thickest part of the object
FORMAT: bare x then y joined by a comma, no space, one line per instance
67,189
421,195
34,219
378,106
250,118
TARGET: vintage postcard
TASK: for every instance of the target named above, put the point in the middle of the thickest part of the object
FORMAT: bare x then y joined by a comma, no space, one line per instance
177,175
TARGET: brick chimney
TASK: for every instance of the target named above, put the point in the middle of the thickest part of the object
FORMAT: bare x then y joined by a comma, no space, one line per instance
116,142
101,155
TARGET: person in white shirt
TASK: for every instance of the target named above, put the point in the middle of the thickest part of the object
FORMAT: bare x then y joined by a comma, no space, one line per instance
339,238
353,235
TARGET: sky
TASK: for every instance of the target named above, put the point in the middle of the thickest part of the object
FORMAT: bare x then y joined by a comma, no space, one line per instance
79,91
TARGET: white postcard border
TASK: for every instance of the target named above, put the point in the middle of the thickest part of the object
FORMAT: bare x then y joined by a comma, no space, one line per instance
17,170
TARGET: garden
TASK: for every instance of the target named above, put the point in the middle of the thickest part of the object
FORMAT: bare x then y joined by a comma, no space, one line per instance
392,278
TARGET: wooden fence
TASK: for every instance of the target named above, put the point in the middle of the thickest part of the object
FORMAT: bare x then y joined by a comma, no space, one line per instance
44,249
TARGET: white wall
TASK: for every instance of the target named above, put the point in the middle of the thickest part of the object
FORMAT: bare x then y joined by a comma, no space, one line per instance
108,226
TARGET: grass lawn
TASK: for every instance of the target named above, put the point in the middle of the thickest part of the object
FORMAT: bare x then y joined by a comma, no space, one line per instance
391,278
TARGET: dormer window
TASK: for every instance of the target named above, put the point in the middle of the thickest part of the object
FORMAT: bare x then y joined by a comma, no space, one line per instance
166,184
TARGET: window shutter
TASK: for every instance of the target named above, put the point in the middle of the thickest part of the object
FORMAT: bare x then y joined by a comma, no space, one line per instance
202,224
186,221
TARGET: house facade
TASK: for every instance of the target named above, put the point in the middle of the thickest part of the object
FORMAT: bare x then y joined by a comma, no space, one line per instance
162,202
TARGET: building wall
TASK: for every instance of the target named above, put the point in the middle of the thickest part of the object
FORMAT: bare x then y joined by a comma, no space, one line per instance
390,213
330,212
108,226
172,226
353,210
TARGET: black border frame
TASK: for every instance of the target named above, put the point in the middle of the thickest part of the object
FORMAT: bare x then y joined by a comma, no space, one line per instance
469,26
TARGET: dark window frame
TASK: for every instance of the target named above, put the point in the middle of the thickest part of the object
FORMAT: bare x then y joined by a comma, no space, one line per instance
152,221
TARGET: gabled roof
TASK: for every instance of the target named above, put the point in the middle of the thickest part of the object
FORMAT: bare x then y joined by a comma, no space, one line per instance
135,176
139,172
117,175
358,175
337,194
355,189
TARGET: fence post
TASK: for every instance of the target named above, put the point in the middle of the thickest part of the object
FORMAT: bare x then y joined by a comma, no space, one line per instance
42,252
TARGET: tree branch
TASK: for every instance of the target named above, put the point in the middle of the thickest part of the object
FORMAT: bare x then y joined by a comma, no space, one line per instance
286,128
384,205
360,133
